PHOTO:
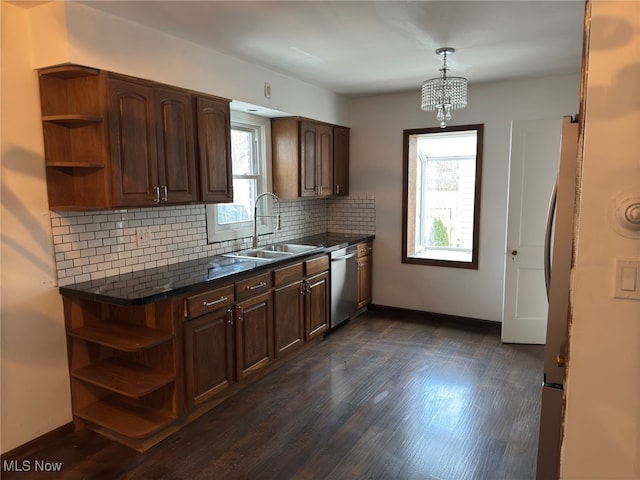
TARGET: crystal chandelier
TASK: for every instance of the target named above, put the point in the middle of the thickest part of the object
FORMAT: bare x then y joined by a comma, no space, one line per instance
444,93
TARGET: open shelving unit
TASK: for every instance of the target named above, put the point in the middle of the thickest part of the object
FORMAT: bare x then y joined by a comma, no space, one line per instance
75,137
124,364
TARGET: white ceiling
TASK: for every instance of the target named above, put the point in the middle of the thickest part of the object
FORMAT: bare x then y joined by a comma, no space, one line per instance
364,47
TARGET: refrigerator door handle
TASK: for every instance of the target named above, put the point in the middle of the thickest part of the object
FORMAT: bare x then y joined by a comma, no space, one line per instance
547,237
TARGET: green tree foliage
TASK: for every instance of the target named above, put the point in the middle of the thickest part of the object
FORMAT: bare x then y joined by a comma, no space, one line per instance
438,236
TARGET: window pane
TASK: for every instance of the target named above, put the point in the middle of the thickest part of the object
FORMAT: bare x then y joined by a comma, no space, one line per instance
441,182
244,194
243,152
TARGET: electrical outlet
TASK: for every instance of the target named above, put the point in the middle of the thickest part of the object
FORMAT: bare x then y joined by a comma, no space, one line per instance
143,236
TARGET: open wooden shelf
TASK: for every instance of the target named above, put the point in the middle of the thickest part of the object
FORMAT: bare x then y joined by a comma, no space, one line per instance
121,336
123,377
72,119
125,419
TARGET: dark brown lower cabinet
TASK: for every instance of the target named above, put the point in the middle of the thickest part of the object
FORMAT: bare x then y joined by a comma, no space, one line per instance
316,305
288,308
317,296
254,334
139,372
365,260
208,355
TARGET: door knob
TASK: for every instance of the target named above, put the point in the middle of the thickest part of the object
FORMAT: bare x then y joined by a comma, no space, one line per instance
514,252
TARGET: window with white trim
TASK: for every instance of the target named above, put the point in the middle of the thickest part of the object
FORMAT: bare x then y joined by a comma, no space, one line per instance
251,161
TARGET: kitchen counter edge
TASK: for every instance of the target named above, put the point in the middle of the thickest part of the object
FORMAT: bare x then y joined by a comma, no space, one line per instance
96,290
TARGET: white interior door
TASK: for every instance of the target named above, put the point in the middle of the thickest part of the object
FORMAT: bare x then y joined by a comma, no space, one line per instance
535,157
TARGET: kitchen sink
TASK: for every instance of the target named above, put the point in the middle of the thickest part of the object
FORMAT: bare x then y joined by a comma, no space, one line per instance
258,253
273,252
292,248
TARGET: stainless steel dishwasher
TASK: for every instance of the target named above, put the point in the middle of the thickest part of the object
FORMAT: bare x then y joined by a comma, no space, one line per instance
344,284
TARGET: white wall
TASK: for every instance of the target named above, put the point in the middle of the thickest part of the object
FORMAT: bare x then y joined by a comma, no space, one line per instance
602,423
376,169
35,384
101,40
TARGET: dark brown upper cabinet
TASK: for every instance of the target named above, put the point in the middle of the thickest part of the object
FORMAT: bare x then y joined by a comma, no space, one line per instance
115,141
341,161
304,157
214,143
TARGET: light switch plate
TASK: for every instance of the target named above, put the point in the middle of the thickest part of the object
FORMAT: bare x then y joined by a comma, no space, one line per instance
627,280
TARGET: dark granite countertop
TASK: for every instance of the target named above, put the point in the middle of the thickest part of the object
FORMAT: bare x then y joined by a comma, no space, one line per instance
152,285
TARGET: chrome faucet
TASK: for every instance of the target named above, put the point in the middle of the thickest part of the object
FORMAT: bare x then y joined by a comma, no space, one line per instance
256,216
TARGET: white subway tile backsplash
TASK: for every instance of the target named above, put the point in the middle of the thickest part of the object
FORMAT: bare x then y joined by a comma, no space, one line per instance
93,245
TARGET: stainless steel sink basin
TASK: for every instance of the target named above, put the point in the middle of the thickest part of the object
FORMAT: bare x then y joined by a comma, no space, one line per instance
273,252
256,253
289,248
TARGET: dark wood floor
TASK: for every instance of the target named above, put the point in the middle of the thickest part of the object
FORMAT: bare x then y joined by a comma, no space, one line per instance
387,396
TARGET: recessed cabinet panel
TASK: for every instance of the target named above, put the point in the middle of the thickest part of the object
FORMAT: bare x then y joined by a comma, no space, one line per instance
289,316
208,355
133,142
317,305
254,334
324,160
176,145
308,170
341,161
214,140
365,260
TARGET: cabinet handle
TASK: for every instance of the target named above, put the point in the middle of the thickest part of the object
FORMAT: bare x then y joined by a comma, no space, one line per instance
337,188
157,199
240,314
303,288
254,287
209,304
230,316
165,193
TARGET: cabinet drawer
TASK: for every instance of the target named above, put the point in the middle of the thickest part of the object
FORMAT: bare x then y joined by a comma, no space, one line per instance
316,265
287,274
209,301
364,249
253,286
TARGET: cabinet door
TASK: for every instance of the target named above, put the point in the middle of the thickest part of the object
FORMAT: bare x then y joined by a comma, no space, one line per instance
133,143
208,355
341,161
317,304
254,334
324,159
364,281
308,159
176,146
214,148
288,314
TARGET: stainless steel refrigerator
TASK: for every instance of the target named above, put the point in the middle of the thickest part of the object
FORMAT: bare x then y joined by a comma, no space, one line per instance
558,255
